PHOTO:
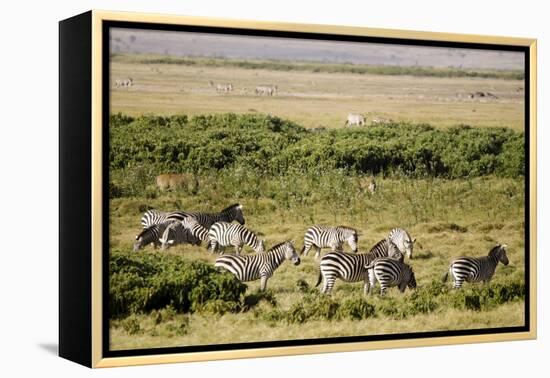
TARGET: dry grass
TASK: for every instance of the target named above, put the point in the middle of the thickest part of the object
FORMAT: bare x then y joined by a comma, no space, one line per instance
316,99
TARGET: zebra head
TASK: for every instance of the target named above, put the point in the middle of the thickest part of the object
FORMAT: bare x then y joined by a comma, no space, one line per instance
290,252
499,253
408,279
138,244
408,246
351,237
235,212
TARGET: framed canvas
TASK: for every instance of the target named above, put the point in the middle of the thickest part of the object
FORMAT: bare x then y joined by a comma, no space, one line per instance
234,189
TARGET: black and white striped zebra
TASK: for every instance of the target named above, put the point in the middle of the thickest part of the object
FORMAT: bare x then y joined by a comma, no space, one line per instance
176,234
476,269
260,266
329,237
150,235
223,234
392,272
403,241
352,267
229,214
196,229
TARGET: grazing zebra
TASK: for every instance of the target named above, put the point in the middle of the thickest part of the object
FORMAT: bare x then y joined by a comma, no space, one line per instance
224,234
392,272
268,90
260,266
224,88
124,82
476,269
355,120
353,267
329,237
403,241
175,234
150,235
229,214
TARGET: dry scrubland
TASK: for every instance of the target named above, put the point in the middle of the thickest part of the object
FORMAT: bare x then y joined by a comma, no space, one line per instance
316,99
449,217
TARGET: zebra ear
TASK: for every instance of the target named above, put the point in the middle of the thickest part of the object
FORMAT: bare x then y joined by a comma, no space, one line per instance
414,240
504,246
240,207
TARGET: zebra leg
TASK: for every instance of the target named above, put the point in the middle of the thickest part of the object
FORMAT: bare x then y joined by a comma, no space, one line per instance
263,283
383,289
306,249
458,283
238,249
372,280
213,246
328,284
317,253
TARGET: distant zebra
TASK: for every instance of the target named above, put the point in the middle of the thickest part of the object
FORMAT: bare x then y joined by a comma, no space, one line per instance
224,88
224,234
476,269
351,267
268,90
229,214
392,272
260,266
329,237
355,120
175,234
403,241
150,235
124,82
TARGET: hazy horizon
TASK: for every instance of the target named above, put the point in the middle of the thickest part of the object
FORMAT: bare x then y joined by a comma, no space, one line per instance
176,43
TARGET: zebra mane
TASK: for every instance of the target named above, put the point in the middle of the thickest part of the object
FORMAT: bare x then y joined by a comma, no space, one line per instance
494,250
277,246
347,228
230,207
144,231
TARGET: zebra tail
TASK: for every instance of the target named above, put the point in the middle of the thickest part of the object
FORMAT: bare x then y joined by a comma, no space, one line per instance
319,279
445,276
302,251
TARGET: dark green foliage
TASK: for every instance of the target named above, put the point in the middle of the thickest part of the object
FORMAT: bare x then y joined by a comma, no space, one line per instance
485,297
259,145
144,282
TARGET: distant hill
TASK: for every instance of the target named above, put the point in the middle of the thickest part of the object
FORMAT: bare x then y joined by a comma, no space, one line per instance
216,45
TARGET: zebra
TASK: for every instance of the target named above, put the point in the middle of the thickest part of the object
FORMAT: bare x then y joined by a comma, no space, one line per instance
268,90
150,235
476,269
353,267
403,241
224,88
355,120
124,82
329,237
224,234
196,229
175,234
229,214
260,266
392,272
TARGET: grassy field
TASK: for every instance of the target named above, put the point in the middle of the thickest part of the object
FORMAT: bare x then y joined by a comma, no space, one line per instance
315,99
458,190
449,218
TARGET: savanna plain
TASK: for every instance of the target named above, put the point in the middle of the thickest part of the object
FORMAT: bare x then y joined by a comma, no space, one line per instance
445,147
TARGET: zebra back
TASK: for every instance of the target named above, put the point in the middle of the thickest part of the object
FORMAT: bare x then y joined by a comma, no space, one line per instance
391,272
196,228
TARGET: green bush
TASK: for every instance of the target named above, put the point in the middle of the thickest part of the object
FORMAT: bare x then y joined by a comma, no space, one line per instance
153,281
253,145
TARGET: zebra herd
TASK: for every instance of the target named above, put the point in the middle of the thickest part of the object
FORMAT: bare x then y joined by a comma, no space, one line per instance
260,90
384,263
